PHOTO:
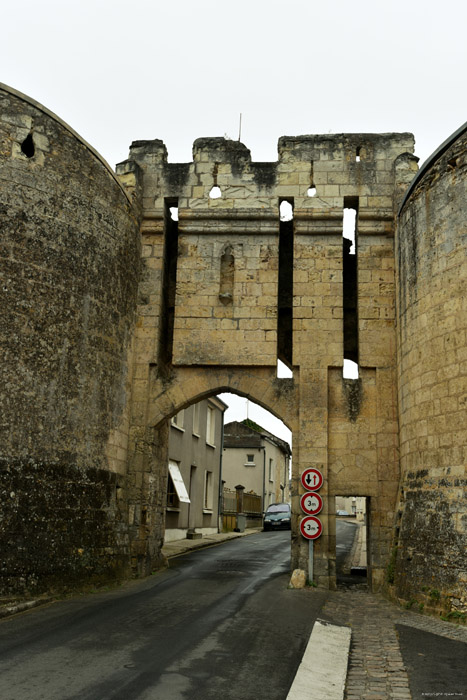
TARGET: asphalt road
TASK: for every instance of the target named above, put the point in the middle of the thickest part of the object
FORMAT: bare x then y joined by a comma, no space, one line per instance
219,623
436,666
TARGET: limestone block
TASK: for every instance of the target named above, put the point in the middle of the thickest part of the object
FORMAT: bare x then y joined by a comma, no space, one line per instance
298,579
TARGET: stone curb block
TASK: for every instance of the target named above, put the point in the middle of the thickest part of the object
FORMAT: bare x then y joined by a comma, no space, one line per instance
8,610
323,670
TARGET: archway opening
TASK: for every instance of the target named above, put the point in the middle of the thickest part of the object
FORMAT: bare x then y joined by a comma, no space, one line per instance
229,460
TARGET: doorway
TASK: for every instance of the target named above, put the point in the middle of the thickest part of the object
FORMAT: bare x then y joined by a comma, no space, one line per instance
352,540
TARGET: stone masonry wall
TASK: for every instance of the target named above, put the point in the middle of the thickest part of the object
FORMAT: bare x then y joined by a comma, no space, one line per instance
152,287
210,290
69,268
431,537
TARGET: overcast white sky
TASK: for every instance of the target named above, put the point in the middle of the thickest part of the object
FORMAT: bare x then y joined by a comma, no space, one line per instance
121,70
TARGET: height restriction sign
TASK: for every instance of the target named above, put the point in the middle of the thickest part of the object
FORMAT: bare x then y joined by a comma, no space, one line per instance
311,528
312,479
311,503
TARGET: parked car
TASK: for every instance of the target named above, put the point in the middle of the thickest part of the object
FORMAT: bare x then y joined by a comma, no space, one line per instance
277,517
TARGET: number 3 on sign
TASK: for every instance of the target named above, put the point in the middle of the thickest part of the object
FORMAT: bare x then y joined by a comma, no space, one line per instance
311,527
311,503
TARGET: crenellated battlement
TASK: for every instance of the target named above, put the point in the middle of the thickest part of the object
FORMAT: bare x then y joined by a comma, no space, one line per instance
316,171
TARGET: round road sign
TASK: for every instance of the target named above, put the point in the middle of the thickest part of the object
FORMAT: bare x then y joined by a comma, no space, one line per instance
310,527
311,503
312,479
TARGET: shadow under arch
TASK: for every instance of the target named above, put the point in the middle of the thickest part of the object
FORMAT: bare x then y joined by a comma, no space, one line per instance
189,385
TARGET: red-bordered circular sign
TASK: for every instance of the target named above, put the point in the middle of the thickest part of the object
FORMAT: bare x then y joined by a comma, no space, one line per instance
311,527
311,479
311,503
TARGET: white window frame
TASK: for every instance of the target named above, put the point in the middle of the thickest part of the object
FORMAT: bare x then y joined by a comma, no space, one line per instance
178,420
250,463
196,412
208,492
211,426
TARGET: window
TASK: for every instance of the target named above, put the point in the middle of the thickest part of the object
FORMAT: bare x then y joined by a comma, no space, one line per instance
176,489
172,497
178,419
196,419
271,470
210,426
250,461
207,490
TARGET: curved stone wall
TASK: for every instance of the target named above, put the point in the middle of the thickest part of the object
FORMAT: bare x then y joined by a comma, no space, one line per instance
69,265
432,303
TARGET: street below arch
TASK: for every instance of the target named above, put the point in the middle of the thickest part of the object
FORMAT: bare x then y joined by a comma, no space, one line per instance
219,622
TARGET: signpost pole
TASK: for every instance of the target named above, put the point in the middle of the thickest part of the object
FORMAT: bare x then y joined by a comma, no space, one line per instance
311,503
310,561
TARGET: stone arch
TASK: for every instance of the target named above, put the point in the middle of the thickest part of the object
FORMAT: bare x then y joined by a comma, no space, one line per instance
259,384
148,466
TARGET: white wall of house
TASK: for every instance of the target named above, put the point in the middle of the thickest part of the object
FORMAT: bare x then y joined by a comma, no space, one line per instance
261,469
195,442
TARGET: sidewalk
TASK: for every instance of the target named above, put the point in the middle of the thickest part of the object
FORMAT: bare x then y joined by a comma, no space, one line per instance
177,547
394,653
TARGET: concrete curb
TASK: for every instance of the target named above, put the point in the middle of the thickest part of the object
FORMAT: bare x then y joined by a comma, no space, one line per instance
323,671
13,609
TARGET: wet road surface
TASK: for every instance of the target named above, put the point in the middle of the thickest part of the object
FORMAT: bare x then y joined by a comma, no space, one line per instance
220,622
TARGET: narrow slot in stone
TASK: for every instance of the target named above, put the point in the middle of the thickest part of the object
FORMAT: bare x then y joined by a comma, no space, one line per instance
227,276
285,283
311,191
169,277
350,287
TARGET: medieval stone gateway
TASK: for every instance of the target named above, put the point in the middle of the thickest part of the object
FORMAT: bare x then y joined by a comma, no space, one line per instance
129,296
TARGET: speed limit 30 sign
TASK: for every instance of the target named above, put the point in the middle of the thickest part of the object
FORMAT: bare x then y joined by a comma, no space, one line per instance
311,528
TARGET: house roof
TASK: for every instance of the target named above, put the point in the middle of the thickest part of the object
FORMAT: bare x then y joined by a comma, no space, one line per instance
247,433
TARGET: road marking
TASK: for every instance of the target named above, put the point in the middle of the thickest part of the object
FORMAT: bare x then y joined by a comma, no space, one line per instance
323,670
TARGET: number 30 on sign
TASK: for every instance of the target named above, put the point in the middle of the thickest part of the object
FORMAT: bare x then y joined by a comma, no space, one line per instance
311,527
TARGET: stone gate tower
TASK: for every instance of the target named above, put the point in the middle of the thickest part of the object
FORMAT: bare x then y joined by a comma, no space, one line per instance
125,297
228,289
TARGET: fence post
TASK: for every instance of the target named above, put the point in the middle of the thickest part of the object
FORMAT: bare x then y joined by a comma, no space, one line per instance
241,519
240,490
